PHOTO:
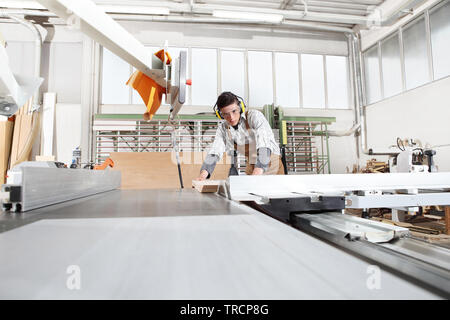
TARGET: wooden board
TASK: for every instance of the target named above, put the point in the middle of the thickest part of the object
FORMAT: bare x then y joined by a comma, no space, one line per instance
23,126
158,170
206,185
45,158
6,130
22,131
447,220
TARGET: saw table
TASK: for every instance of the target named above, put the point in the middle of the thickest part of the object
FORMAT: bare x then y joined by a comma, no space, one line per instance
179,244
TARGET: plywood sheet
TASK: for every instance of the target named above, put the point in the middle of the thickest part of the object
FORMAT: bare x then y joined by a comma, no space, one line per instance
22,132
158,170
6,130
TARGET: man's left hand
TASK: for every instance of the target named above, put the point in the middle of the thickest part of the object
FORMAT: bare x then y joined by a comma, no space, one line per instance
257,171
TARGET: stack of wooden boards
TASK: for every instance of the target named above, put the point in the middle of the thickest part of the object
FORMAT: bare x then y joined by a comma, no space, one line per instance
6,130
158,170
14,135
372,166
23,126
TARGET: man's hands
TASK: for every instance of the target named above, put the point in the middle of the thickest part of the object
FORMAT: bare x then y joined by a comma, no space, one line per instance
203,175
257,171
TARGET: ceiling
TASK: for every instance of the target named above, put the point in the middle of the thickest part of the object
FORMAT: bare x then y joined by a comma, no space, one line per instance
331,15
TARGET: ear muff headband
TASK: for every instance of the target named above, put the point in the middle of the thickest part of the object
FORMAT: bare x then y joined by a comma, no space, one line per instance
242,104
217,112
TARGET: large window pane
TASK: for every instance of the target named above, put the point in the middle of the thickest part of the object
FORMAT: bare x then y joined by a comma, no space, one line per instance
372,75
286,76
392,70
440,40
115,73
66,81
260,78
337,82
204,76
232,71
313,81
416,54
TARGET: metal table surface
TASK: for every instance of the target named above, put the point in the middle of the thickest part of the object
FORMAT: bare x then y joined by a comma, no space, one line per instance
172,244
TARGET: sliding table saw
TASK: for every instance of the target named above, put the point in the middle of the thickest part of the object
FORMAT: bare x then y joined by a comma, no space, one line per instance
182,244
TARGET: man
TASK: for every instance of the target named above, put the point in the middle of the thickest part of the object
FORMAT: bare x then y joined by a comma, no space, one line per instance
246,132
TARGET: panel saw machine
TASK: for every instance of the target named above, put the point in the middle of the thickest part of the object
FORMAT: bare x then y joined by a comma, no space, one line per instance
292,228
181,244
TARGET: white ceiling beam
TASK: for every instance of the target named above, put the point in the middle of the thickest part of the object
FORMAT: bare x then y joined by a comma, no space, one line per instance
391,10
95,23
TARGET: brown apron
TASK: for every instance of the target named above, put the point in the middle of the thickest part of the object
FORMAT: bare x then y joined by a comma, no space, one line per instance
275,165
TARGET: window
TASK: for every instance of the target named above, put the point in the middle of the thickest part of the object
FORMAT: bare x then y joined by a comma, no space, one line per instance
233,72
115,73
204,76
391,66
372,73
313,81
440,43
260,78
337,82
416,54
249,74
287,79
66,77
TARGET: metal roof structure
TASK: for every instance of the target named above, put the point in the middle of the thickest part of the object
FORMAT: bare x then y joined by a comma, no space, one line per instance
330,15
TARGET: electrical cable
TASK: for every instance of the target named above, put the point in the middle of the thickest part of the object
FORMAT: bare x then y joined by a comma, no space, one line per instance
398,144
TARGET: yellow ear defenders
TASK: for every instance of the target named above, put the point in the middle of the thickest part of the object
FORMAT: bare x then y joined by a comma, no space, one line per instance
241,102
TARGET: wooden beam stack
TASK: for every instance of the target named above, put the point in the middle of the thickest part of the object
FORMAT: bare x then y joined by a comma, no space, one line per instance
6,132
22,133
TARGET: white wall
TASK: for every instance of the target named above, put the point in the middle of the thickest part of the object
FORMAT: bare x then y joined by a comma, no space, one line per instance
422,113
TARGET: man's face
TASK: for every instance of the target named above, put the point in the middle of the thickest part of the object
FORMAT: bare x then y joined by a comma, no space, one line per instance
231,113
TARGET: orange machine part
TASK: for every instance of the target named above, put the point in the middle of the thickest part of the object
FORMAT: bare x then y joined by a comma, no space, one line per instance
108,162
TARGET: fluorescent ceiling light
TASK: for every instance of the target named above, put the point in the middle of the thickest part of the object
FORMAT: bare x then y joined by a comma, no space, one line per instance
21,5
135,9
253,16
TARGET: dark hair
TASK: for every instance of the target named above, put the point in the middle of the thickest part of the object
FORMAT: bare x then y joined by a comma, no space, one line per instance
226,98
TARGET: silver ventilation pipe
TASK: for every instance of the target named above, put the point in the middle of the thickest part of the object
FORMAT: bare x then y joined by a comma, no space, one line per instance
37,48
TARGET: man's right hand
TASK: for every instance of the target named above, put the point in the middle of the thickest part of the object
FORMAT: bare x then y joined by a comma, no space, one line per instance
203,175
